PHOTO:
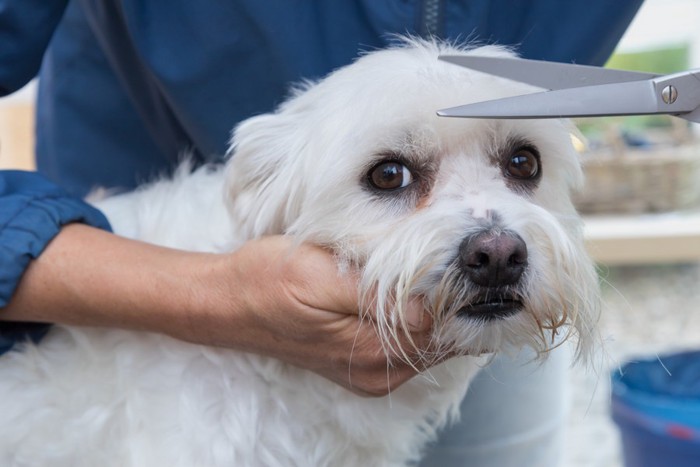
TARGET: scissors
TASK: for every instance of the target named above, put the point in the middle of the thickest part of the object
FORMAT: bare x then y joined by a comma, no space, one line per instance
581,91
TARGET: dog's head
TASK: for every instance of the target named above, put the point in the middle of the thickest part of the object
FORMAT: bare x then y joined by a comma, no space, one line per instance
474,216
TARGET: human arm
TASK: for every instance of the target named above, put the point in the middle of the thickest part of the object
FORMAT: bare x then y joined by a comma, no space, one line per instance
266,298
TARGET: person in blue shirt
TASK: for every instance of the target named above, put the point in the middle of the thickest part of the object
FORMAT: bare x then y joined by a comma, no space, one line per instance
127,86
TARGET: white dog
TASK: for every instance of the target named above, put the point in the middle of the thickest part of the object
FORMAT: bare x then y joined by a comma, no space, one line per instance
472,215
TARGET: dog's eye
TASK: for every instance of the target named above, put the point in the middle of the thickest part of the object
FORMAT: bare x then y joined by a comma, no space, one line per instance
523,164
390,175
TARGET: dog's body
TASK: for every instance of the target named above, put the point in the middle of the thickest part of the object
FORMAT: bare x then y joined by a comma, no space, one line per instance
322,168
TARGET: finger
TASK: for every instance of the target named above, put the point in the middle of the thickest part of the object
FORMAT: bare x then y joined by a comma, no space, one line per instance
383,384
417,317
321,283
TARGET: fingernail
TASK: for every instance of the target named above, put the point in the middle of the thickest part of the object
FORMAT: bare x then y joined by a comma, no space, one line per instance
415,315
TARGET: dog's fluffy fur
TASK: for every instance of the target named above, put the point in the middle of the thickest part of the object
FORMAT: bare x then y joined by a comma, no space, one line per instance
87,397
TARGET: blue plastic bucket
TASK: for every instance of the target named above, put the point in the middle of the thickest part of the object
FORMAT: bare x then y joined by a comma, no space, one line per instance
656,405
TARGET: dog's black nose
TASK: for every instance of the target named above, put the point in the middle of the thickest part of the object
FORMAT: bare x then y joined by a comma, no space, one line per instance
493,259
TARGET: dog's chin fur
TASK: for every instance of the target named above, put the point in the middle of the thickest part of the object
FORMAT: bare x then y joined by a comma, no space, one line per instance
106,397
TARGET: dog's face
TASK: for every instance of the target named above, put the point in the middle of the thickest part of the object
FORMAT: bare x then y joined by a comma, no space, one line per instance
473,216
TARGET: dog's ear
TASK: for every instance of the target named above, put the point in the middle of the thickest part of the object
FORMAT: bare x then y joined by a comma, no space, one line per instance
263,189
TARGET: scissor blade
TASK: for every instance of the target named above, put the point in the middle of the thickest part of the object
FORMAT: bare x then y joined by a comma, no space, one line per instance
548,75
635,98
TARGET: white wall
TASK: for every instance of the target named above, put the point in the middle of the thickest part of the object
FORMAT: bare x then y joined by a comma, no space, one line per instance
665,22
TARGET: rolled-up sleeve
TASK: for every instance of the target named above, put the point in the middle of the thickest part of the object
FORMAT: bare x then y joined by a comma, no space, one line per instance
32,212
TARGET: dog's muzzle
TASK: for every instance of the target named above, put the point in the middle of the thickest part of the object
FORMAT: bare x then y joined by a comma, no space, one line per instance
494,261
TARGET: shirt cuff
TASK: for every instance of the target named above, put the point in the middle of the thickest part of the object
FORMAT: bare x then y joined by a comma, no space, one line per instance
29,219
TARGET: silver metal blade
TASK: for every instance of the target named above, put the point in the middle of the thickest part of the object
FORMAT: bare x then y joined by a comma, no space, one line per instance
548,75
691,116
635,98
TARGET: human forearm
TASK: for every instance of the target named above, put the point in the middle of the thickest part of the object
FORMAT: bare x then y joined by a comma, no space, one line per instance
86,276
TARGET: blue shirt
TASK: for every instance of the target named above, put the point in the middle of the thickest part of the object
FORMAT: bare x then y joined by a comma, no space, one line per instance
127,86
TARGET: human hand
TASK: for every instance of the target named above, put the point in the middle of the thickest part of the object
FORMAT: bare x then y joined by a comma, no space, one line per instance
292,303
